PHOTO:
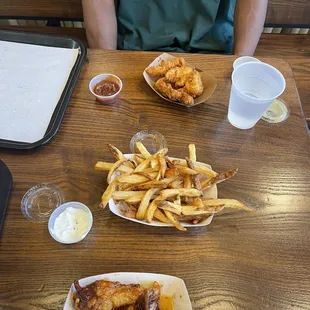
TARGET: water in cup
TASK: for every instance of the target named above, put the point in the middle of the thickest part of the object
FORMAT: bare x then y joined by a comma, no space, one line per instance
254,87
244,115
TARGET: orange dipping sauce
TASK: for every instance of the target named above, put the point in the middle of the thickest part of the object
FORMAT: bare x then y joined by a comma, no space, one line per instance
166,302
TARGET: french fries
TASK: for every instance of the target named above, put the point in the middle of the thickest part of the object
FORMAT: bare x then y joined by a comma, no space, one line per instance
174,221
170,206
144,152
149,176
124,195
107,195
192,152
161,217
195,178
226,203
186,170
108,166
151,209
114,167
145,203
116,152
164,188
162,165
132,179
138,158
188,192
103,166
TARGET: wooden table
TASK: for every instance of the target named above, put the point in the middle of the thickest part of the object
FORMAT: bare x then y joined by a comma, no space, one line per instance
257,260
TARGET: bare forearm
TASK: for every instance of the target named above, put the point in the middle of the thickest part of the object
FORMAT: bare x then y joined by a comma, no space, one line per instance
100,23
249,21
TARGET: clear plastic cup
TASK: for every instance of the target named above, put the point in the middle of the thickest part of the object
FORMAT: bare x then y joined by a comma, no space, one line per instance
106,77
243,59
255,85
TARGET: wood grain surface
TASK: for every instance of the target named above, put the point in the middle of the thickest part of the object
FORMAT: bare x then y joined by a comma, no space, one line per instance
288,12
279,11
257,260
45,8
283,45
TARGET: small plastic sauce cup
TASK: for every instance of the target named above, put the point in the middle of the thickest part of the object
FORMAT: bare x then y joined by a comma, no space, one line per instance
60,210
106,77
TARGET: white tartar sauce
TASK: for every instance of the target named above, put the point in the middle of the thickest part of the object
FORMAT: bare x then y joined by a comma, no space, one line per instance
71,224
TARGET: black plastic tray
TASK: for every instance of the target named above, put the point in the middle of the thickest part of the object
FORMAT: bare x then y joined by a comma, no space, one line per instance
54,41
5,191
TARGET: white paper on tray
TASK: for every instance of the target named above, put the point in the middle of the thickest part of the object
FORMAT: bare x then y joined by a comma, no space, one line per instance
32,79
209,81
209,193
171,286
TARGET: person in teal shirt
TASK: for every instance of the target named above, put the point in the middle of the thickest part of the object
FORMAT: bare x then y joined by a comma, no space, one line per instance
191,26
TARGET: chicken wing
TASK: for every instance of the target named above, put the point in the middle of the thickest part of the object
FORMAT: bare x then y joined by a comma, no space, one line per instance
165,65
166,89
106,295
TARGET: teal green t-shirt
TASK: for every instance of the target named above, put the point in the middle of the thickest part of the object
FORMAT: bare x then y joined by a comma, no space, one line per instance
176,25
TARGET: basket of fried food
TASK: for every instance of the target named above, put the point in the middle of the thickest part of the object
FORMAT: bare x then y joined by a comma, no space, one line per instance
128,291
160,190
176,81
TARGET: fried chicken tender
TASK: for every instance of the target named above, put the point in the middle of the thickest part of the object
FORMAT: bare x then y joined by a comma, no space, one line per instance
166,89
187,79
193,84
179,75
165,65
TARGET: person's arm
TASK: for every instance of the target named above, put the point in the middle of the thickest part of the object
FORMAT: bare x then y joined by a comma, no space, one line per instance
249,22
100,23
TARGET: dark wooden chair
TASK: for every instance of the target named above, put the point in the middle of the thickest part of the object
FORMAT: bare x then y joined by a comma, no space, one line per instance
281,13
52,11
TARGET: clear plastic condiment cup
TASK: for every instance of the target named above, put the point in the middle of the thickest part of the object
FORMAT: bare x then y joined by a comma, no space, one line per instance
61,209
151,139
106,77
40,201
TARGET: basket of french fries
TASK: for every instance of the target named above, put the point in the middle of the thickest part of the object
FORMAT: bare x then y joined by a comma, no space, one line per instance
160,190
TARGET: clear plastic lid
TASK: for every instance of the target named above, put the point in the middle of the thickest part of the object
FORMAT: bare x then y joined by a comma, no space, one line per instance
151,139
277,112
39,202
